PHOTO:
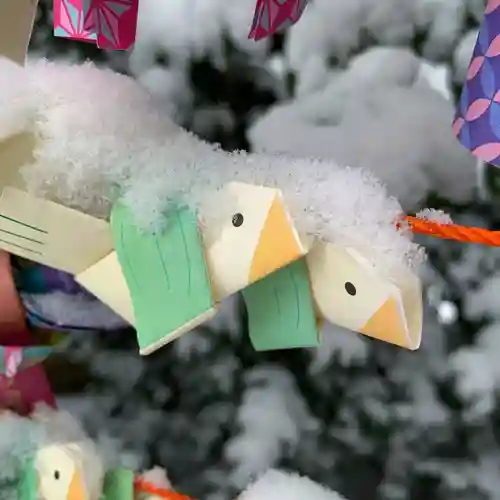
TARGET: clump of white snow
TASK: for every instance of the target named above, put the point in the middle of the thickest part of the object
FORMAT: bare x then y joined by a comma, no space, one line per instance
277,485
330,31
463,55
157,476
434,215
336,28
383,114
478,373
444,21
87,155
172,34
16,100
272,415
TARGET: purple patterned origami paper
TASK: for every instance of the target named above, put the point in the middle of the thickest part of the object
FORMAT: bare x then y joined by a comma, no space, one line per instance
273,16
111,24
477,120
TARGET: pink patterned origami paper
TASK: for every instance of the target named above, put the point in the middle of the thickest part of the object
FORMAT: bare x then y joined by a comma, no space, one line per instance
13,357
21,390
111,24
273,16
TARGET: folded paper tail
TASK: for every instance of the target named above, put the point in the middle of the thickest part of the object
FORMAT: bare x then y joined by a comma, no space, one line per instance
166,276
477,120
280,310
16,23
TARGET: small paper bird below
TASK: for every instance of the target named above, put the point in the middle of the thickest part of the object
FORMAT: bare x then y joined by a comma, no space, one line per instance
66,464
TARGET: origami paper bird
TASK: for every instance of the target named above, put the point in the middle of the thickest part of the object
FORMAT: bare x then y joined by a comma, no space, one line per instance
168,281
477,122
65,471
290,282
49,456
285,232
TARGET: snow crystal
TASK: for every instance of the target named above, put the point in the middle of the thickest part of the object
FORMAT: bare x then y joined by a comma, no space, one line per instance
431,214
277,485
86,155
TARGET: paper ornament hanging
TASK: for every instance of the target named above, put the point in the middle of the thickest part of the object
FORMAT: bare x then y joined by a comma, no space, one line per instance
477,119
110,24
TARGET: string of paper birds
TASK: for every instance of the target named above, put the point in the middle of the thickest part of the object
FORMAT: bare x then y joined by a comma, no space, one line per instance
325,274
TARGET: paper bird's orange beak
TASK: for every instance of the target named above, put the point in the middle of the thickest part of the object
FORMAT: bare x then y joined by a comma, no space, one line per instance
76,490
278,245
387,324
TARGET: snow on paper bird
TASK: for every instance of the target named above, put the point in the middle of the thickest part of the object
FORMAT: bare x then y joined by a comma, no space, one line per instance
189,224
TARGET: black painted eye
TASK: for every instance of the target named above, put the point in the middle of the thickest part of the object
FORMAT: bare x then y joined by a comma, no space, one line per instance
57,474
350,288
237,220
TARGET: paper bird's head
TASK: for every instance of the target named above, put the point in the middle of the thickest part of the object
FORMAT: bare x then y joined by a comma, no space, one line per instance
66,464
252,237
47,456
351,292
65,472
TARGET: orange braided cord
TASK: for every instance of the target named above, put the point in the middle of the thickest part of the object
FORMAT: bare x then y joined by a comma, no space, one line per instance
167,494
454,232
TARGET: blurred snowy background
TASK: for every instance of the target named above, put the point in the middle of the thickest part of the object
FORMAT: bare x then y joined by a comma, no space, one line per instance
367,83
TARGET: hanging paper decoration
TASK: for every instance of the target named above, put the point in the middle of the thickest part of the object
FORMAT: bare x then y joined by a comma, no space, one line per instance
168,282
273,16
23,382
477,120
19,358
111,24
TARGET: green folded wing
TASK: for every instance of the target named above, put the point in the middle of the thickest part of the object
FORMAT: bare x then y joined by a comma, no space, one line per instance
28,483
166,275
281,311
118,485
